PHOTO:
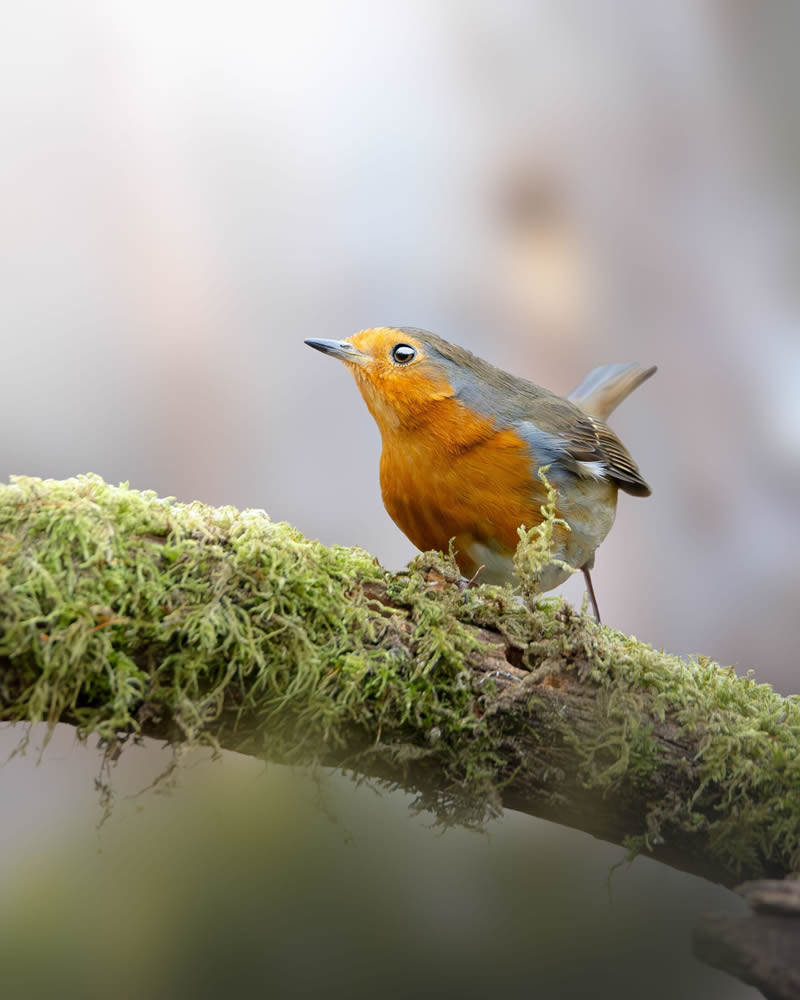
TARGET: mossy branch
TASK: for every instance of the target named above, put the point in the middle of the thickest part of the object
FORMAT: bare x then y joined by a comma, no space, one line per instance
129,615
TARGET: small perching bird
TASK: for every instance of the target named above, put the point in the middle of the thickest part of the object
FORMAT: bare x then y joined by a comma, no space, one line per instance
463,444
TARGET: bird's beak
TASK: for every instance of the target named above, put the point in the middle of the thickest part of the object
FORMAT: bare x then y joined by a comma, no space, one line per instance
338,349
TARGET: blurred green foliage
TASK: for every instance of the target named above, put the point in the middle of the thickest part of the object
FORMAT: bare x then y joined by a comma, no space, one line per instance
251,881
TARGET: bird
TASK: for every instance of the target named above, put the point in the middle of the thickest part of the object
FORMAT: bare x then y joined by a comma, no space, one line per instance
463,444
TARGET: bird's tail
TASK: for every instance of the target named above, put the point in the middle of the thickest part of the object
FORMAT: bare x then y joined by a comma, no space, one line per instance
603,389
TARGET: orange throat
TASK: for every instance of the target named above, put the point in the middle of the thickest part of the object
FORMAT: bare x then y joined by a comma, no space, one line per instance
455,476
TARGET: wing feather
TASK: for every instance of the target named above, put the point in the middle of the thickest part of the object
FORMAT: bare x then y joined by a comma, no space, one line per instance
562,430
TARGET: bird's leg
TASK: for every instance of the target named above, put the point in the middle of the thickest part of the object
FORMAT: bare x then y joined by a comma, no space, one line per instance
464,584
587,577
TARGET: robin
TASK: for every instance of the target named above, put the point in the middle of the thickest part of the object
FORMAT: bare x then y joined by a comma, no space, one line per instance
463,443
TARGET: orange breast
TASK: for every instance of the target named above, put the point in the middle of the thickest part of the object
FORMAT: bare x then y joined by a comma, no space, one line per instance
457,476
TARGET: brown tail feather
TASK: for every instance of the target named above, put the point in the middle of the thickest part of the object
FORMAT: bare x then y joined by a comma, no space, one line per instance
603,389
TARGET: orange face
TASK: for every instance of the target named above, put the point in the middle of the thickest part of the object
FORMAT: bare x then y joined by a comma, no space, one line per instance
397,376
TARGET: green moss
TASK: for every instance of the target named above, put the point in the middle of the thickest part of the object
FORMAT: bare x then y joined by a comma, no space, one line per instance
209,598
117,607
745,771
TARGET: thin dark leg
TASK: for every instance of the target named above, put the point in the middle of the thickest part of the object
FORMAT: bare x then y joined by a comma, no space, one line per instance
590,588
464,584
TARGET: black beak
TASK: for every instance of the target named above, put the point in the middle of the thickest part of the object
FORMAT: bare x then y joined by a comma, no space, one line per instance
337,349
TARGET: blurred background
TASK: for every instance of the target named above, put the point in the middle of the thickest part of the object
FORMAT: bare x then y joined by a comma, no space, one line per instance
190,190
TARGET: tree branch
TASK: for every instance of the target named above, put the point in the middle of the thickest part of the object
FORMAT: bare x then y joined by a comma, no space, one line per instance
763,948
131,616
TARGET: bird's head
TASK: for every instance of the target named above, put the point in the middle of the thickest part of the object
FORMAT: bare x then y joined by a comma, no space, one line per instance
402,372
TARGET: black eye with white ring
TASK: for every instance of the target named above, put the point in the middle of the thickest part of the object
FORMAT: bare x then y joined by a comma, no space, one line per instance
402,354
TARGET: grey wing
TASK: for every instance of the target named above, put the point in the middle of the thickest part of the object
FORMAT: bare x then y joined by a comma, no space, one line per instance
620,464
587,446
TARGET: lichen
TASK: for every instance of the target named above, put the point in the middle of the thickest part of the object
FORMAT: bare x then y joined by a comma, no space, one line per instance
118,608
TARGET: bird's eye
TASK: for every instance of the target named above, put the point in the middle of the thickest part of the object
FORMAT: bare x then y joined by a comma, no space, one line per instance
403,353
